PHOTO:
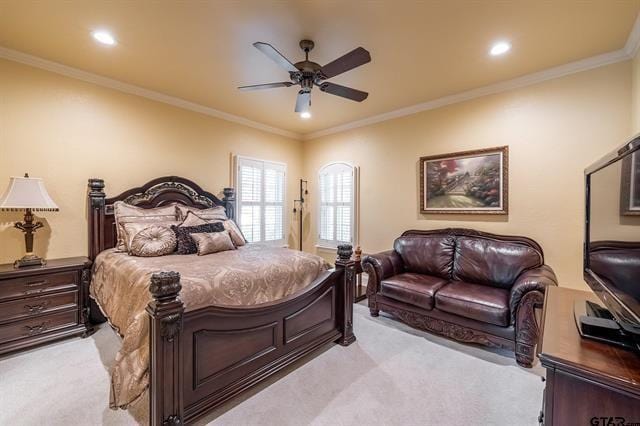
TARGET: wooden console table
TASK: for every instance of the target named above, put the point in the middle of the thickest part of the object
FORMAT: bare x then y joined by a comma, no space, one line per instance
588,382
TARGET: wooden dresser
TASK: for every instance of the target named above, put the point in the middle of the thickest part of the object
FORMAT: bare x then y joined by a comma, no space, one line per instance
43,303
588,383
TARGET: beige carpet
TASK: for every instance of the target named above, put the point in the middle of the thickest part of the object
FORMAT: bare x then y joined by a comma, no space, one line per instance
393,375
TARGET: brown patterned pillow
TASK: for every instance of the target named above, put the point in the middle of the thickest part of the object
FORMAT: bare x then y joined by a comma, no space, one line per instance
186,244
214,213
213,242
153,241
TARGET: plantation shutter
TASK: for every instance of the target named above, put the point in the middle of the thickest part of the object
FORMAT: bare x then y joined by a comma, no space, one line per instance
261,186
336,215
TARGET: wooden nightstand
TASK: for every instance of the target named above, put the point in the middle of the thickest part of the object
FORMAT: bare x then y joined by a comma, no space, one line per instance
40,304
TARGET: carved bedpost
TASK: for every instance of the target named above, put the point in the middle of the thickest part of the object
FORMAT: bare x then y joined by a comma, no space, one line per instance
345,318
527,328
96,217
230,202
165,379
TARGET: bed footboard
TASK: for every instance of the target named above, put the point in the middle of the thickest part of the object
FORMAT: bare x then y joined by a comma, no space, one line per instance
202,358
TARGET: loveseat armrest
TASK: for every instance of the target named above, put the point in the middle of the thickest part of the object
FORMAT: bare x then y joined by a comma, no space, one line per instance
381,266
536,279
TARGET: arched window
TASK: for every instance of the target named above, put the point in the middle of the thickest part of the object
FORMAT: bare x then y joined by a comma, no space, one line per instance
337,214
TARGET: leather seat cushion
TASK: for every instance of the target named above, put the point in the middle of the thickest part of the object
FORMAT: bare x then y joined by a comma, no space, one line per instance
475,301
414,289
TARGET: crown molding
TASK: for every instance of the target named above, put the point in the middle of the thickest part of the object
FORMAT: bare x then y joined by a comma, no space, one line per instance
526,80
633,41
34,61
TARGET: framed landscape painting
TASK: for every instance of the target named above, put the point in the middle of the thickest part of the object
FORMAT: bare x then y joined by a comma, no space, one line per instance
469,182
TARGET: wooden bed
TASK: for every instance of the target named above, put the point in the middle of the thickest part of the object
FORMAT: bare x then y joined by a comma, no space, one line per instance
189,376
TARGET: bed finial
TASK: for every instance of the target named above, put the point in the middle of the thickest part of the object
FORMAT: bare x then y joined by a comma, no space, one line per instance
344,252
165,286
96,192
230,202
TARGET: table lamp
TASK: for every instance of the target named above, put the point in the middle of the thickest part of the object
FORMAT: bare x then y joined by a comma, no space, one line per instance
28,194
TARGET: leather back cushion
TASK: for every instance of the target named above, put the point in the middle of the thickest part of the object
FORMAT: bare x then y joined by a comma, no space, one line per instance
492,262
427,254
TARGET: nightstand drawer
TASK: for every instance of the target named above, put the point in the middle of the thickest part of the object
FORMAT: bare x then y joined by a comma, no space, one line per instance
32,306
37,284
36,326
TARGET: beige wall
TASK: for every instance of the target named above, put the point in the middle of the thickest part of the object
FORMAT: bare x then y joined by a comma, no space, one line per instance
635,93
66,131
553,129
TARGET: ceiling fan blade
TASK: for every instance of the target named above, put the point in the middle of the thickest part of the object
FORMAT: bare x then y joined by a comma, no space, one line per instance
303,103
345,92
351,60
275,56
266,86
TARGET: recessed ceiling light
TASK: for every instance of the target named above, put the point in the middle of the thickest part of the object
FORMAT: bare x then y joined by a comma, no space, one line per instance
104,38
500,48
305,115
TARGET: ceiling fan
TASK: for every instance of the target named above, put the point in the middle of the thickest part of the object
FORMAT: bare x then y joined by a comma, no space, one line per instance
306,74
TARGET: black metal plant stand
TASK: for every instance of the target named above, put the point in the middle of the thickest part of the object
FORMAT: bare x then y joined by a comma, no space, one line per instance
298,206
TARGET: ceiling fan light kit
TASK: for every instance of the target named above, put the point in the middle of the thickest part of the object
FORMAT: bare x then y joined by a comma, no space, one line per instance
307,74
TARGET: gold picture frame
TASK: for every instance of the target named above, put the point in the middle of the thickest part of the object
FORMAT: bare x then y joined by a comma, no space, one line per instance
466,182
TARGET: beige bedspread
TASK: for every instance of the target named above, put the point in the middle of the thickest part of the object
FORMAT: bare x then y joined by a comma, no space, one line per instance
250,275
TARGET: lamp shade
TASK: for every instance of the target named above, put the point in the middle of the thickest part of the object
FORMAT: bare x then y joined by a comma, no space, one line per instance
27,193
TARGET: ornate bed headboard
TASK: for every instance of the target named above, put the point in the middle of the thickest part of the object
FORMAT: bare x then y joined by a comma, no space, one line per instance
158,192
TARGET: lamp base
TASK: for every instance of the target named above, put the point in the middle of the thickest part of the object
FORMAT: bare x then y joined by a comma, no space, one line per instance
29,260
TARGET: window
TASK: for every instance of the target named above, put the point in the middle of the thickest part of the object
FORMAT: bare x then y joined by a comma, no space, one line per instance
337,215
260,188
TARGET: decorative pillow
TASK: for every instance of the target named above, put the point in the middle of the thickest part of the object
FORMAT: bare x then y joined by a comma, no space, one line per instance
213,242
132,229
153,241
214,213
126,213
235,233
193,219
186,244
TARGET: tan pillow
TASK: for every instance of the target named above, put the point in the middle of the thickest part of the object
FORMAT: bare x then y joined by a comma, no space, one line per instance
214,213
153,241
192,219
133,228
213,242
125,213
235,233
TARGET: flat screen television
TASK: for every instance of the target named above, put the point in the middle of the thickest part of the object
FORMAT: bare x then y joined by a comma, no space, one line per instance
612,248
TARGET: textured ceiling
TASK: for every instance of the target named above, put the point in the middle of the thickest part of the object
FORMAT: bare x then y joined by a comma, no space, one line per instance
200,51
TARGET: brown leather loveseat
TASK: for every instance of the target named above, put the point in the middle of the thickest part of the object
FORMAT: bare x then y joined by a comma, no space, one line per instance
468,285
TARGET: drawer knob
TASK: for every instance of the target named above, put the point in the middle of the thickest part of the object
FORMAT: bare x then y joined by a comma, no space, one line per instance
36,309
37,329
